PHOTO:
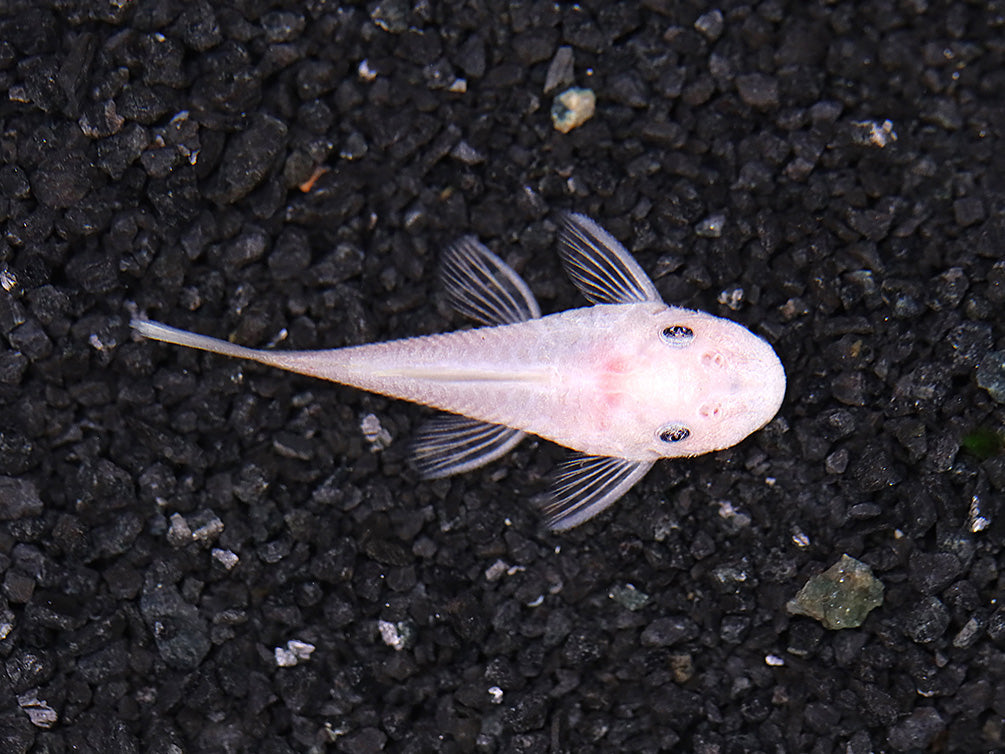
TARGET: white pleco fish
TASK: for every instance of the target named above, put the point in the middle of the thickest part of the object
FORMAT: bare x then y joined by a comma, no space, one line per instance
625,382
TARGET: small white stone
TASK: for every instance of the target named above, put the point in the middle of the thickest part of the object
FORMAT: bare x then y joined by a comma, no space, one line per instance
38,710
301,649
572,108
226,558
389,633
375,434
365,71
495,571
179,534
285,658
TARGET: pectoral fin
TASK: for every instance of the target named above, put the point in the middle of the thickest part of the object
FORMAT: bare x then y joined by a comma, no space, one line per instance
586,485
449,444
481,286
600,266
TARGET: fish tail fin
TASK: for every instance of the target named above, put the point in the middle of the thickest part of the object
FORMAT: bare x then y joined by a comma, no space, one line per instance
149,328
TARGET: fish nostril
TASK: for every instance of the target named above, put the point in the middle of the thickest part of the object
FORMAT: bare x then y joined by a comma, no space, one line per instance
713,359
710,410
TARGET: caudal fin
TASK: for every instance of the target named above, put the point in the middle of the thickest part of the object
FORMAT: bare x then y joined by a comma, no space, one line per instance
148,328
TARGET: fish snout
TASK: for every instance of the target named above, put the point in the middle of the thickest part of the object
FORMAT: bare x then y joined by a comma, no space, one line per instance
757,385
744,384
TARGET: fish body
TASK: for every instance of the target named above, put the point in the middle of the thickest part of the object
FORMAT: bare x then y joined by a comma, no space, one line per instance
624,382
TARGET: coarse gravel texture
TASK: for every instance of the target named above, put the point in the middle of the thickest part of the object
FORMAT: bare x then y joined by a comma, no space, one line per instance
202,555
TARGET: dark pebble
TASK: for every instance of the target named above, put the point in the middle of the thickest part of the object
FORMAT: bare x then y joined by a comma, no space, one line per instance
18,499
246,248
996,626
164,58
290,445
298,687
583,646
142,104
917,731
996,283
102,486
630,90
864,511
969,342
31,340
950,287
39,76
117,153
31,30
180,634
734,628
53,610
665,632
14,182
109,662
18,453
117,537
911,434
945,114
991,375
335,565
874,469
13,365
926,621
535,45
345,262
159,162
93,272
248,158
251,484
419,46
471,56
583,33
710,24
849,388
968,211
872,224
365,741
758,90
28,668
282,26
528,713
932,572
671,82
199,26
17,587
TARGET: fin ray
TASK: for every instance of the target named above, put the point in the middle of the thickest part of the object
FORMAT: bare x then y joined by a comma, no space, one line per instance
600,266
449,444
484,288
586,485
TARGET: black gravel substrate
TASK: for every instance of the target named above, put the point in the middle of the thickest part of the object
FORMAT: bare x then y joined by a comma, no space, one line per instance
202,555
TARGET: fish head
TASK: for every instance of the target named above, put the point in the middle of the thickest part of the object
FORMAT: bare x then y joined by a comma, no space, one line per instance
707,383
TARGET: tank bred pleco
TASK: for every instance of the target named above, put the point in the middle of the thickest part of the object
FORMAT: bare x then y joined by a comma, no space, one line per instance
624,382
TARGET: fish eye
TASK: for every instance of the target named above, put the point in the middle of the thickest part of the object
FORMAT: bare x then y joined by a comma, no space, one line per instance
674,433
677,335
